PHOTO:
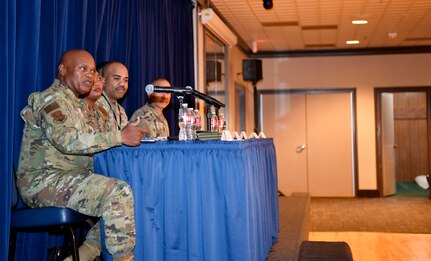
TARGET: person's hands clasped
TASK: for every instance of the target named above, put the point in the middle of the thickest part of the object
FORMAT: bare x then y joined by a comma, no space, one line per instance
132,134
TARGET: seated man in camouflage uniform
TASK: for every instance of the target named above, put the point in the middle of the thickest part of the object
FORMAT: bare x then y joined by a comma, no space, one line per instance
54,167
151,114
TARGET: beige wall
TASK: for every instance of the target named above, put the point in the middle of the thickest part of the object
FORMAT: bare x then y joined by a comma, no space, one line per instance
361,72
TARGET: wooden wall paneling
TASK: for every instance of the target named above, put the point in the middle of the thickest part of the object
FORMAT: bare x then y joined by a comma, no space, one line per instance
411,135
402,168
420,159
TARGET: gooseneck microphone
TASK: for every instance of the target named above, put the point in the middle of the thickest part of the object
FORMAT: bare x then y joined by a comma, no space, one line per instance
208,99
151,88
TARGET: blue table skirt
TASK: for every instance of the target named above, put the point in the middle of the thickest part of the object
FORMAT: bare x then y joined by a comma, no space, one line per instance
199,200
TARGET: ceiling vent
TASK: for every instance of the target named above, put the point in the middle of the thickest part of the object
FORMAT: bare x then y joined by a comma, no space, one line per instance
319,27
418,39
213,23
281,24
320,46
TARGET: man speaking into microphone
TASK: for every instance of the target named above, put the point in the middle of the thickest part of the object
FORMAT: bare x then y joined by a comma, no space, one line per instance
151,114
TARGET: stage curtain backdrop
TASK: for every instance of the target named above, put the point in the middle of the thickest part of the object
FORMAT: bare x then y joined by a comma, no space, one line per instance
153,38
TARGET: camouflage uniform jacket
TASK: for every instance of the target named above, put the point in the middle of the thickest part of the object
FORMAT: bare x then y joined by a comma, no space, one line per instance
117,116
156,124
97,119
56,138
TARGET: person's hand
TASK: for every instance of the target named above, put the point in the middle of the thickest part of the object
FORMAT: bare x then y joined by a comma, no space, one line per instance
132,134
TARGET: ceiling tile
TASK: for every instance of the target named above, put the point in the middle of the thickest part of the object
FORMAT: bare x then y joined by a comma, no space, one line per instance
410,19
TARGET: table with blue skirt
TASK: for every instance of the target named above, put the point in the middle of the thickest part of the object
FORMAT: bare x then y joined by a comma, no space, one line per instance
199,200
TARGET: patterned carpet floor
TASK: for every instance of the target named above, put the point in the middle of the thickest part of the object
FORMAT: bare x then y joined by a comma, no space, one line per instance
389,214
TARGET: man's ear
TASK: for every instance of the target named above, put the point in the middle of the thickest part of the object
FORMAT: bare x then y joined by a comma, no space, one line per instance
61,69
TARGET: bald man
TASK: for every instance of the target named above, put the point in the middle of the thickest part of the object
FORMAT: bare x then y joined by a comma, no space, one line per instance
151,114
116,84
55,168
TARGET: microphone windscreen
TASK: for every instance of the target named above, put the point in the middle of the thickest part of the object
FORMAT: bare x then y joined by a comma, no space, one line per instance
149,88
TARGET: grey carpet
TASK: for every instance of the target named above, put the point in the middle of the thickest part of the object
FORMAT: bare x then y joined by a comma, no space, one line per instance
294,216
390,214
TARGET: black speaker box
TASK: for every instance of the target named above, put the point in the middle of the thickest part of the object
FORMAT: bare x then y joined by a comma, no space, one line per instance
213,71
252,70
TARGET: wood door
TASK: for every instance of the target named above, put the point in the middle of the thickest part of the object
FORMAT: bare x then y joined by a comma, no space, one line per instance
410,122
314,142
284,120
388,142
330,145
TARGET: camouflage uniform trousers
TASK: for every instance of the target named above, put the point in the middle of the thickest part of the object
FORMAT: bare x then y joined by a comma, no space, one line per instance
94,195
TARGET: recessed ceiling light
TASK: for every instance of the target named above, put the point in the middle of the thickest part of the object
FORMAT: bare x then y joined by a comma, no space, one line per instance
360,21
352,42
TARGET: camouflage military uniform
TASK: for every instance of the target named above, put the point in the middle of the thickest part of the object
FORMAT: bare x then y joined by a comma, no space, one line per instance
117,116
96,121
54,167
156,124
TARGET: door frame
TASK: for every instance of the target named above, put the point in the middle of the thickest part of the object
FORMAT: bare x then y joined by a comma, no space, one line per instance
352,91
378,117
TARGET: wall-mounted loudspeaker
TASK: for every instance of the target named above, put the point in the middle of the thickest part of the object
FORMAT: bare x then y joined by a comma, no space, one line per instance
252,70
213,71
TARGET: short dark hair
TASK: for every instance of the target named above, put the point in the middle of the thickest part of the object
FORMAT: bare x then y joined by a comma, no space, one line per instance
101,67
160,79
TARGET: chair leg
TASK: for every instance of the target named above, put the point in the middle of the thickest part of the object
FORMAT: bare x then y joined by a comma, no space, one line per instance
91,223
75,251
12,244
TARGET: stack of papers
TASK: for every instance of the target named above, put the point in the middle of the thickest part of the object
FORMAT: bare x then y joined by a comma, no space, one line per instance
208,135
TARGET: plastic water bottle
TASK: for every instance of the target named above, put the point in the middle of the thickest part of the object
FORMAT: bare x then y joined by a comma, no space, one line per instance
221,123
198,123
190,124
182,121
214,121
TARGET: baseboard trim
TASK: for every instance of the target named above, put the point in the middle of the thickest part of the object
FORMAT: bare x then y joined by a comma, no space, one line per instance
368,193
